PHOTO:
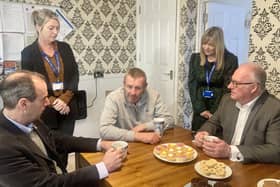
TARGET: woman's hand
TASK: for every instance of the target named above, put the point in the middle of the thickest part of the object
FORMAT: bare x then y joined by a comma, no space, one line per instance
61,106
206,114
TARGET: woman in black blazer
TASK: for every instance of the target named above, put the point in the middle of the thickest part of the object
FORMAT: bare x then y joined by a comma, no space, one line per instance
56,61
210,72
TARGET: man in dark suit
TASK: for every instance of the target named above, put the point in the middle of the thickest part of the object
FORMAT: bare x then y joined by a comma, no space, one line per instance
25,161
247,121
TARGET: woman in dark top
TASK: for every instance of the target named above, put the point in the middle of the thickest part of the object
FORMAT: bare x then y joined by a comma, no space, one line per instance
209,74
56,61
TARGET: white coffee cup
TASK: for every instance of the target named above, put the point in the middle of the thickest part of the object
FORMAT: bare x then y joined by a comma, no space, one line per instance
159,122
210,138
121,145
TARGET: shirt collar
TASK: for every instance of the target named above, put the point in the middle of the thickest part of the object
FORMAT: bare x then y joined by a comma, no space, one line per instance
26,129
248,105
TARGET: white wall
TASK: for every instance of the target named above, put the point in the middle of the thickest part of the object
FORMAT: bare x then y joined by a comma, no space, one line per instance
89,127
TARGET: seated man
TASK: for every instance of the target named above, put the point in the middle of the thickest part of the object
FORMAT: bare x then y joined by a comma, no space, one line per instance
129,111
29,151
247,121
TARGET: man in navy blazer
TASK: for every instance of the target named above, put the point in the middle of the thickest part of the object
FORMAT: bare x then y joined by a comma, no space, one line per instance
22,162
247,121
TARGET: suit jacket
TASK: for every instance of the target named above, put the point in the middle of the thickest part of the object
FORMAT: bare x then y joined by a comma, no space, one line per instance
260,141
23,164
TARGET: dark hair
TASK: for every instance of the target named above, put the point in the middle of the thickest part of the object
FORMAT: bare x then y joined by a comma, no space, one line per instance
18,85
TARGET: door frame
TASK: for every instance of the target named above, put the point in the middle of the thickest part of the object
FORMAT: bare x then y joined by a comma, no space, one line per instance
202,17
176,51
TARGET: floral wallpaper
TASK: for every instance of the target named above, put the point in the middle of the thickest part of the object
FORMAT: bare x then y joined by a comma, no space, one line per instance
264,45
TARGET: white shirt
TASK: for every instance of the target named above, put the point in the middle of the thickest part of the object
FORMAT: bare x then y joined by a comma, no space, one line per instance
244,111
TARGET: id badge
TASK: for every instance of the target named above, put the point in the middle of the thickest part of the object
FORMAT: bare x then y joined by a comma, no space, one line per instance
57,86
208,94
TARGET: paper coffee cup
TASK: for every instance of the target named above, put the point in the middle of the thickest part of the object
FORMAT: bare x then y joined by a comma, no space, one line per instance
121,145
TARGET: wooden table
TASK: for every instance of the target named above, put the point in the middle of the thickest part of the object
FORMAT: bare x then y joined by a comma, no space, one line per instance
142,169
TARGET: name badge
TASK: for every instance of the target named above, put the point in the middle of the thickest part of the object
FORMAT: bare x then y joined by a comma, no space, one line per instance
208,94
57,86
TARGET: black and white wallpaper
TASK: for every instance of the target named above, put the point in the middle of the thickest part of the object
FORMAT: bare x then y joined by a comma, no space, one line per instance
265,41
105,39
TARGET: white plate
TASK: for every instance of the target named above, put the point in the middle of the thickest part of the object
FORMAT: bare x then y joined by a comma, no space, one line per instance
260,183
228,172
164,159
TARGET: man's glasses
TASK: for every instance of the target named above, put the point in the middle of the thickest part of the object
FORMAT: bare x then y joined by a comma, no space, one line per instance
235,84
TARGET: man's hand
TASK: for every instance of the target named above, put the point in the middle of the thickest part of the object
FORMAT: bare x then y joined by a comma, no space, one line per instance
217,148
105,145
147,137
199,138
139,128
113,159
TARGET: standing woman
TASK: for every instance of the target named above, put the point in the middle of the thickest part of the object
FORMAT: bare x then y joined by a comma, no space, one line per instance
210,72
56,61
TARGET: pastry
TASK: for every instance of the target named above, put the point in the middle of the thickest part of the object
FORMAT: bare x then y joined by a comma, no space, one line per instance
178,152
221,184
198,182
212,167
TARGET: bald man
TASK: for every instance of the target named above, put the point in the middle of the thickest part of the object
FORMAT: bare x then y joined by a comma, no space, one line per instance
247,122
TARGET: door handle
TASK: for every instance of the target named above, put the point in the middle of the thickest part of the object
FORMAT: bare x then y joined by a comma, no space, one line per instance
170,74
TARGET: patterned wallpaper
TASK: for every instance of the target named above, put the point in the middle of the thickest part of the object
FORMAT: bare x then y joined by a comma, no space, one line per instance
187,32
265,40
105,39
105,34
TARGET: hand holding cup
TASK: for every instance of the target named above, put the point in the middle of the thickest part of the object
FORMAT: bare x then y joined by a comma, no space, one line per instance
122,146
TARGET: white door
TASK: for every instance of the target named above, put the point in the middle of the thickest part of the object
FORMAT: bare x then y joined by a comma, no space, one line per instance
232,17
156,46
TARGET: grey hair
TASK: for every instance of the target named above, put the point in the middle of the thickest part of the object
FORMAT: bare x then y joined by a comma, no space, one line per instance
260,76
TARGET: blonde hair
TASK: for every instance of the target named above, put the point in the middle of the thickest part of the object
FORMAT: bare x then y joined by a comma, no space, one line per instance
42,16
214,36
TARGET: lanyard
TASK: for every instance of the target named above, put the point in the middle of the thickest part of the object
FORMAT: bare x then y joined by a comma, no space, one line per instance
209,74
53,67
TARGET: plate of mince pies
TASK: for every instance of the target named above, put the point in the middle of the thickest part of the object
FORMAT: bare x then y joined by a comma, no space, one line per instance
213,169
175,152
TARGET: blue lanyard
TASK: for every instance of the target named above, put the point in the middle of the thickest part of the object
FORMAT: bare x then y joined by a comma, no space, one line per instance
209,74
53,67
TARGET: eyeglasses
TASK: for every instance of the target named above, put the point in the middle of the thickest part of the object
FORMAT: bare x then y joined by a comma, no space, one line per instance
235,84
